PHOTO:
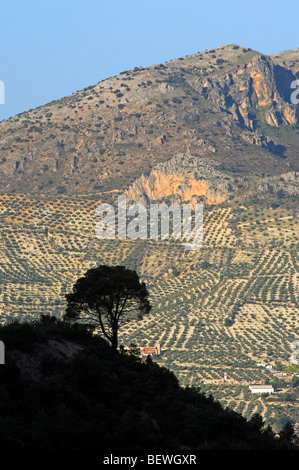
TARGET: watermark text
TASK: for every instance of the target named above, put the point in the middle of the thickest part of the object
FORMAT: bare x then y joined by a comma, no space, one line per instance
154,222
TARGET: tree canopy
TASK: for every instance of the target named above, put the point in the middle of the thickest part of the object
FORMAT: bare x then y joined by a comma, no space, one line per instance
108,297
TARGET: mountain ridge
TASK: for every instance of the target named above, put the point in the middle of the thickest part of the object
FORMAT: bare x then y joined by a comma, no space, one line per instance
111,133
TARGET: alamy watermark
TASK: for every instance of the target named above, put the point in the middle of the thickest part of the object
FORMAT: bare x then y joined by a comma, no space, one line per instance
154,222
2,92
295,94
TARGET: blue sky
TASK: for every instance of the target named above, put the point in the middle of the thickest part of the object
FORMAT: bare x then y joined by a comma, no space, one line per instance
50,49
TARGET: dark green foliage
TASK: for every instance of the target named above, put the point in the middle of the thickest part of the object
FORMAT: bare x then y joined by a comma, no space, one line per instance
287,434
108,296
100,400
23,336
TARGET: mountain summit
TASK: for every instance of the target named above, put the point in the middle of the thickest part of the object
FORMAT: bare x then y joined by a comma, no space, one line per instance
230,106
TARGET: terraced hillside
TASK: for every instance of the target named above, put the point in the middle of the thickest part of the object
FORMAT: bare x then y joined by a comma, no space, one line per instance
225,308
217,127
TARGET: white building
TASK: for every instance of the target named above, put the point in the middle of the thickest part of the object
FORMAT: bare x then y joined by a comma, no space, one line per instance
261,388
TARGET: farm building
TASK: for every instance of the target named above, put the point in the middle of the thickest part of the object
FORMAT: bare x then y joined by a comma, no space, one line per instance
149,351
261,388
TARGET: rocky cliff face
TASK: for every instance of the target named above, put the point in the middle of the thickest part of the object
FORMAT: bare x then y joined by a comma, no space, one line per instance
184,178
224,103
258,84
287,183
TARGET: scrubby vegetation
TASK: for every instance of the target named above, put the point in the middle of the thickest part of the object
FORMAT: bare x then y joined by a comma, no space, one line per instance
95,399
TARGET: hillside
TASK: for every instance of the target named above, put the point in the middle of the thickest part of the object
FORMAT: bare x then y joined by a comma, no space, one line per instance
230,104
216,127
63,389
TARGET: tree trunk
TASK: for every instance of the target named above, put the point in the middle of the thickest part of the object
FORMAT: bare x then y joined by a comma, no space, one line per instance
114,341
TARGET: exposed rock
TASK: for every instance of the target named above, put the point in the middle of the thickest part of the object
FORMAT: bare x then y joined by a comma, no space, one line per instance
273,118
184,177
290,114
287,182
263,141
258,84
161,139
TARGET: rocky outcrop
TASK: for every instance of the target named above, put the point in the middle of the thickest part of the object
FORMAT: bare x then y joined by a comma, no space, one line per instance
186,178
255,85
256,138
287,183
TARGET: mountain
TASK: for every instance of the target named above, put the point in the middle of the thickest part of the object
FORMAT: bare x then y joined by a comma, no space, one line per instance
217,127
231,105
